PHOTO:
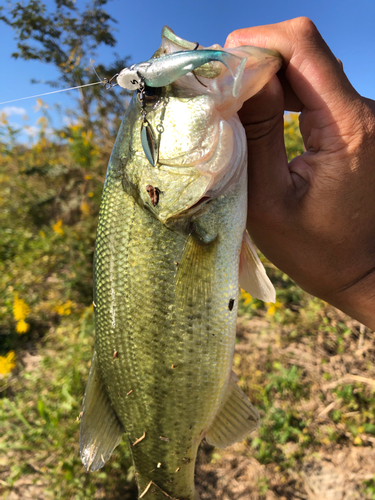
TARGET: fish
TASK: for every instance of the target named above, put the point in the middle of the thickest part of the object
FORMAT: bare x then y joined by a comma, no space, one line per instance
171,251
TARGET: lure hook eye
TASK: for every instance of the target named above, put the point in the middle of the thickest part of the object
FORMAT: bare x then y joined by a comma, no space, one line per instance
108,82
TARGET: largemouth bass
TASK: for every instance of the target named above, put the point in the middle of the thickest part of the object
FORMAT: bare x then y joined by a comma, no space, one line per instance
171,245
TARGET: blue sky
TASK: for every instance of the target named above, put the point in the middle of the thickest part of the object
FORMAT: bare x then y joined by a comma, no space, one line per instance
347,26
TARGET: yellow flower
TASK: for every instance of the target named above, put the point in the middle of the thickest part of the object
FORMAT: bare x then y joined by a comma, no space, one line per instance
272,308
3,119
88,177
22,326
64,309
85,209
42,121
246,296
20,308
7,363
57,227
42,234
90,194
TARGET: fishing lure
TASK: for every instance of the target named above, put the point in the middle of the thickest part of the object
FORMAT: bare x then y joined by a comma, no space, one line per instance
163,71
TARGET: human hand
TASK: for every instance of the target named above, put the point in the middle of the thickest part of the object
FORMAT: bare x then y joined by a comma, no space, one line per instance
314,217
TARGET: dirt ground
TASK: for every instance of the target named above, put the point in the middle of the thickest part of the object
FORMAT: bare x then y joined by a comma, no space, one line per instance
334,476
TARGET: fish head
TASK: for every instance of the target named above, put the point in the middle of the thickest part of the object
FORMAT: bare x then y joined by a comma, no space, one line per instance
183,126
187,145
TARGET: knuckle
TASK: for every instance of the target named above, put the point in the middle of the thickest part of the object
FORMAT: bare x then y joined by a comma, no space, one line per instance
304,27
232,39
340,63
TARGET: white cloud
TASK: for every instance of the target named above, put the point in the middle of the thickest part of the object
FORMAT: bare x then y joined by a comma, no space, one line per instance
31,130
13,110
69,121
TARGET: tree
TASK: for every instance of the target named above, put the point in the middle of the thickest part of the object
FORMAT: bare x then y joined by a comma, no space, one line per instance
68,39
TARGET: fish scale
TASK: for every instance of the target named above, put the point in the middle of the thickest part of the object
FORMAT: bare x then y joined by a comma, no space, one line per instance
167,261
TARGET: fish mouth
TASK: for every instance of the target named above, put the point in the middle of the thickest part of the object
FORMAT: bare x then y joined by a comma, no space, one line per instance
197,207
203,200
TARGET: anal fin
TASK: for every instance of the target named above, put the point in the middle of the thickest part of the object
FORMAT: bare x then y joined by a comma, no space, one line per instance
236,418
101,430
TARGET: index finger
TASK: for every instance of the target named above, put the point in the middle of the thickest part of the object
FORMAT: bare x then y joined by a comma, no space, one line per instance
313,72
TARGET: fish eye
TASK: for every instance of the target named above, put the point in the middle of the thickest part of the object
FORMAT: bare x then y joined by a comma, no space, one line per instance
150,91
150,95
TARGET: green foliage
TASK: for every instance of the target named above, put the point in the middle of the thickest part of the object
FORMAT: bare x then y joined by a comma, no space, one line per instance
282,422
61,37
292,136
369,488
39,411
285,381
49,198
67,38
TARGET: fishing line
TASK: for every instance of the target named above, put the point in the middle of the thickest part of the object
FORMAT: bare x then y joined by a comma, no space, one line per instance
93,67
107,83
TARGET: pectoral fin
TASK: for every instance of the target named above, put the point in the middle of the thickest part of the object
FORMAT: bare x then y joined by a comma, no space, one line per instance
101,431
236,418
252,275
195,272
